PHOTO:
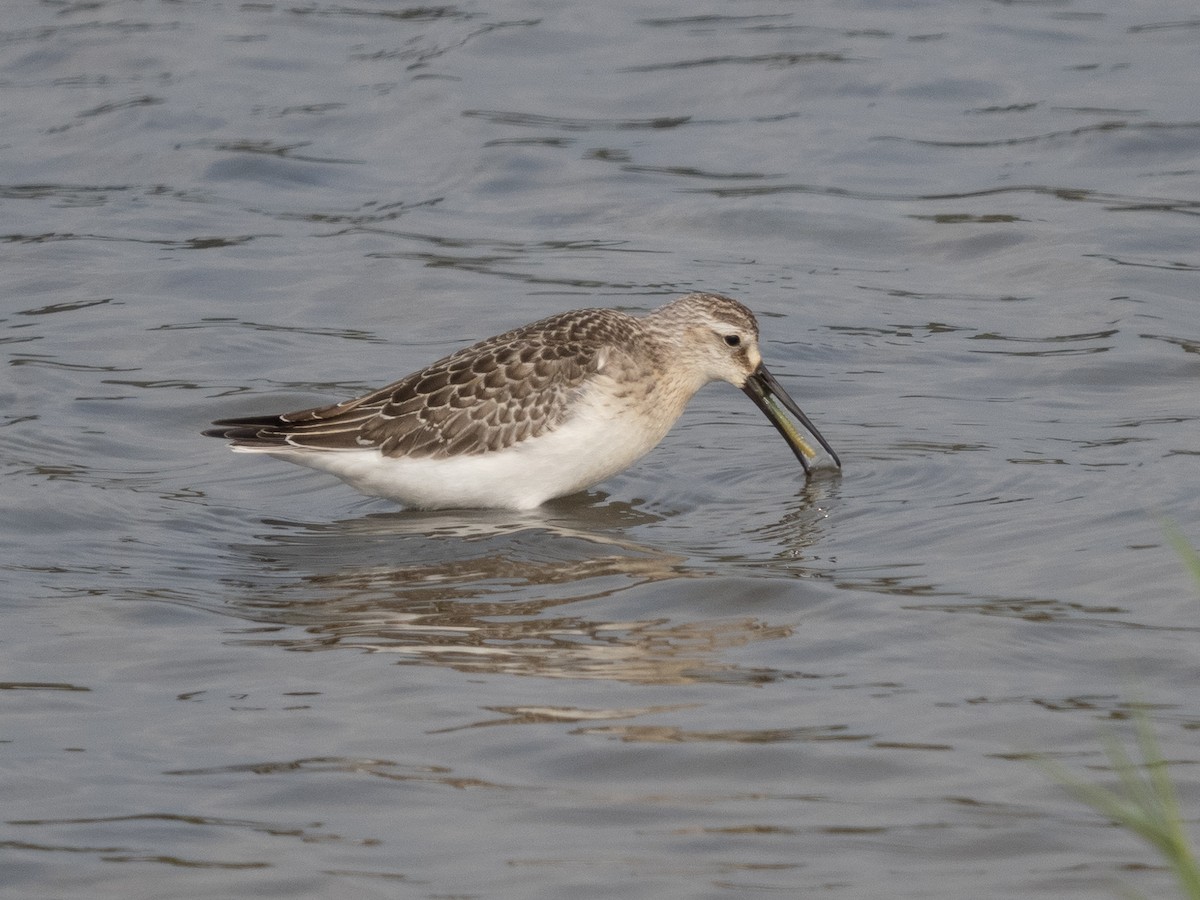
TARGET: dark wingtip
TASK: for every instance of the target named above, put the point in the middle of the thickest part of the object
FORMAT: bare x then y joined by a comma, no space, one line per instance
255,429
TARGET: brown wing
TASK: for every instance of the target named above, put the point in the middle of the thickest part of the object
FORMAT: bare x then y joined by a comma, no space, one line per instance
485,397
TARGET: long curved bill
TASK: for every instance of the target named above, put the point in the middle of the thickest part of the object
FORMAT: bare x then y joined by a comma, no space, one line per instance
769,396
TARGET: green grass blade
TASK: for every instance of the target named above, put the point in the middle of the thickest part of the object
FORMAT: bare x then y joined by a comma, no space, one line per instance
1144,802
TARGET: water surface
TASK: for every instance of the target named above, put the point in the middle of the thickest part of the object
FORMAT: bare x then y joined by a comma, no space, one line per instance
969,232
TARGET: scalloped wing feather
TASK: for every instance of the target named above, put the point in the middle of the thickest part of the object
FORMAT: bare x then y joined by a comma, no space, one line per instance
486,397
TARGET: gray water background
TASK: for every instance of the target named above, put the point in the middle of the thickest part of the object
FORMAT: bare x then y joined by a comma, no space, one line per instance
970,233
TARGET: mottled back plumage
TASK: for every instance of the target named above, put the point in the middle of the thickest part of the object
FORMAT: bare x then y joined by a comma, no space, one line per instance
482,398
537,412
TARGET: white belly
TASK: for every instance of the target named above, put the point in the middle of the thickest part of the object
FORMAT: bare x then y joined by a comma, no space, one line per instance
590,447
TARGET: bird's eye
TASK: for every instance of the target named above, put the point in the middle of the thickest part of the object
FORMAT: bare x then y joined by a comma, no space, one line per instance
733,340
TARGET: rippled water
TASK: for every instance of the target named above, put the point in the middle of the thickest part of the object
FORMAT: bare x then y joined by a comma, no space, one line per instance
970,233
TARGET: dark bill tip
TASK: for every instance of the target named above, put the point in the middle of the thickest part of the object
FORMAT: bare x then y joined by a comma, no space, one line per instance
769,396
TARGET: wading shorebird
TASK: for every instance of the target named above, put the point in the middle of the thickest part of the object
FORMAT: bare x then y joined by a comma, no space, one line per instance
539,412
